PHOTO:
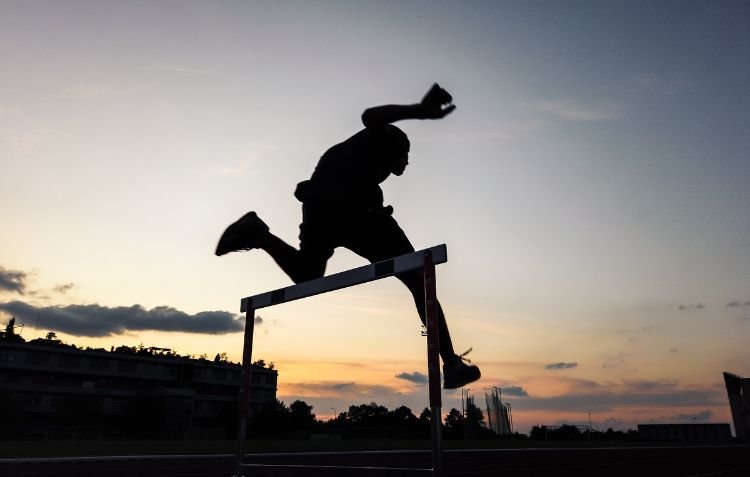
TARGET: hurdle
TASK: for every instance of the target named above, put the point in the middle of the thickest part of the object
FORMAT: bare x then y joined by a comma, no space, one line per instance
423,259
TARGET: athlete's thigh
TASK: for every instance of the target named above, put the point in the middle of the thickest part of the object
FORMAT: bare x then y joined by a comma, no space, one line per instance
376,238
316,242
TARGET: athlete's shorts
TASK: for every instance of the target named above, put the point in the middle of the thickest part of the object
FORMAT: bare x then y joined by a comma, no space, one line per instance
373,235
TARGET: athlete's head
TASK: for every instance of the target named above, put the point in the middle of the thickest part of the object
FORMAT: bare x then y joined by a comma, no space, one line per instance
397,149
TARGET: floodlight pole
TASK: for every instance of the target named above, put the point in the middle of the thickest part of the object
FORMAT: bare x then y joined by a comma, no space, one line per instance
433,362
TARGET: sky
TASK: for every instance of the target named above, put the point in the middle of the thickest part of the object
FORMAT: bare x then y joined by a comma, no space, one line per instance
592,188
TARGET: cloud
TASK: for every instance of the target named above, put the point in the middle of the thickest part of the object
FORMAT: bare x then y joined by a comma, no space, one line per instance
737,304
645,385
12,280
634,394
515,391
416,377
616,423
575,111
97,321
561,365
697,306
64,288
339,389
701,416
674,350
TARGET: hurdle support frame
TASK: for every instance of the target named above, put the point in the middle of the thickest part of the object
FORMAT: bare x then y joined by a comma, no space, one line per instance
423,259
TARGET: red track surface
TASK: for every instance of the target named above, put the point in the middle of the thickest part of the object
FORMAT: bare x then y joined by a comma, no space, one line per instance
624,461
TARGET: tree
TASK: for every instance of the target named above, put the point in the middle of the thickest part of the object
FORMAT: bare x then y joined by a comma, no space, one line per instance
423,422
539,433
301,416
370,415
566,432
273,419
454,425
403,417
473,421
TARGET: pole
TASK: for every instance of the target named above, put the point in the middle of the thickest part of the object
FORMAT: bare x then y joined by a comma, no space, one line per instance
463,411
510,416
433,362
244,397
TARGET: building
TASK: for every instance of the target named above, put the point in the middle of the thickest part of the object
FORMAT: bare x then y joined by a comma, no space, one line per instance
738,392
685,433
52,390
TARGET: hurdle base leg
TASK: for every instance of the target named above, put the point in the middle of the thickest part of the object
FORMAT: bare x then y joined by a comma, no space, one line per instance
245,387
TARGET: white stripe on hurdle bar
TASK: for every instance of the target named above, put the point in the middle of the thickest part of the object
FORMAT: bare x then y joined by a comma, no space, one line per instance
345,279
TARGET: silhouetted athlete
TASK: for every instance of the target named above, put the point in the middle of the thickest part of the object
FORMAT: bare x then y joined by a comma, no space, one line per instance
342,206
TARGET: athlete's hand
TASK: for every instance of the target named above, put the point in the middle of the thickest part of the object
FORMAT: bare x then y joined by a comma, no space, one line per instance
386,211
437,103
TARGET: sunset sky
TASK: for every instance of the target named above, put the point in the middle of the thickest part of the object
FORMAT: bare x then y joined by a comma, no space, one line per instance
592,187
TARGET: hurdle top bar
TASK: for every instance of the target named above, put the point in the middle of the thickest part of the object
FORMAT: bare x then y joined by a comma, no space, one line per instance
348,278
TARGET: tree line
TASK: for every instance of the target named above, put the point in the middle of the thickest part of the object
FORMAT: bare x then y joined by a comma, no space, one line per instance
297,420
277,420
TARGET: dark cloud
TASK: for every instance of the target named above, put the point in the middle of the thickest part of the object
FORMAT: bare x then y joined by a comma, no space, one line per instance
561,365
616,423
645,385
607,401
699,417
697,306
515,391
734,304
582,384
64,288
97,321
673,350
12,280
416,377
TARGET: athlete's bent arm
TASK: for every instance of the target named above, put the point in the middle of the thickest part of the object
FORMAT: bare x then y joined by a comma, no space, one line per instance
436,104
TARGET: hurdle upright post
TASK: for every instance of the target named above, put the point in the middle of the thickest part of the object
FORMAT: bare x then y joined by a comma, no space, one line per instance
245,380
433,362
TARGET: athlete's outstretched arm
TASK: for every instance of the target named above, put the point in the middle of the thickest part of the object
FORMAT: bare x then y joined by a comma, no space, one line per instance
436,104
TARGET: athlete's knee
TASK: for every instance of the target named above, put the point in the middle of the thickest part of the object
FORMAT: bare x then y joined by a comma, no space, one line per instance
306,275
308,271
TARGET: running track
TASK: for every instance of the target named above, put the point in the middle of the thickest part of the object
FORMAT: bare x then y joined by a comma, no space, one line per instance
613,461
